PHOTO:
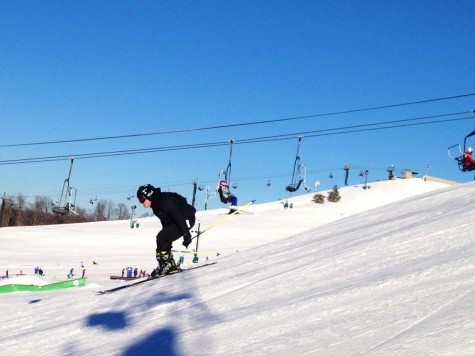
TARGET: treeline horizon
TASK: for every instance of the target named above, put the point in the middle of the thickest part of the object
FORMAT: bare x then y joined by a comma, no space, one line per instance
18,212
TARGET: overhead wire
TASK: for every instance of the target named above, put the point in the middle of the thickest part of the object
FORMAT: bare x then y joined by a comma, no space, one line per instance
322,132
240,124
315,133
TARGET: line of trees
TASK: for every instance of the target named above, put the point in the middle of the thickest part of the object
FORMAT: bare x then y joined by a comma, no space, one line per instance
18,212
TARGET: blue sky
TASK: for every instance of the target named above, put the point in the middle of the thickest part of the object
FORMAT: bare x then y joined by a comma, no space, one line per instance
81,70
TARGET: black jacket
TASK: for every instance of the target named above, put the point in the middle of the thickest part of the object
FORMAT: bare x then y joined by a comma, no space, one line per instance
172,208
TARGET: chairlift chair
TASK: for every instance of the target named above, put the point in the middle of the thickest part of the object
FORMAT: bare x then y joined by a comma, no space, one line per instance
225,175
299,173
459,156
67,201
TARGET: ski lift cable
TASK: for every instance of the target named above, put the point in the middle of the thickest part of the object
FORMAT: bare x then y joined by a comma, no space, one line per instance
307,133
316,133
111,153
241,124
170,148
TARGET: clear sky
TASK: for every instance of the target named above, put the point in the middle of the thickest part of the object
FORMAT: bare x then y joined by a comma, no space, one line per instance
75,71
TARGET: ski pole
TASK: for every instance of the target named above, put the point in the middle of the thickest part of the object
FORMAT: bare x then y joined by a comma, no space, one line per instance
223,219
197,252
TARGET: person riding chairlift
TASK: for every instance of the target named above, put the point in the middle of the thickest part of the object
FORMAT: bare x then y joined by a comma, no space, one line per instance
468,161
226,196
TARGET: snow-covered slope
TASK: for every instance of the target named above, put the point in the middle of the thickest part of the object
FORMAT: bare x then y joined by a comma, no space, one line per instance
386,271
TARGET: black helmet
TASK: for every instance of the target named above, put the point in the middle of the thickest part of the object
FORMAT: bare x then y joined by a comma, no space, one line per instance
145,191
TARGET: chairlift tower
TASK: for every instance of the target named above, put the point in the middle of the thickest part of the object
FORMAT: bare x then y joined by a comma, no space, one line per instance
195,186
347,168
390,170
207,196
365,175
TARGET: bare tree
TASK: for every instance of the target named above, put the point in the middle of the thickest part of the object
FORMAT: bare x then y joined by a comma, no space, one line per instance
41,210
2,209
20,209
17,211
110,210
8,212
100,211
122,212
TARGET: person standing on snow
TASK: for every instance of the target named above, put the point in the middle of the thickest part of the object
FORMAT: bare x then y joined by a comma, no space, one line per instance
177,218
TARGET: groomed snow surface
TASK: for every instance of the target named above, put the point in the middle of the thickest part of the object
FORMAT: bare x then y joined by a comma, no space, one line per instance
386,271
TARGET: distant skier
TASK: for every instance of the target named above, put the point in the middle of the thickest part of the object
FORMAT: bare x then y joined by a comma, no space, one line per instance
136,271
71,273
177,218
468,162
226,196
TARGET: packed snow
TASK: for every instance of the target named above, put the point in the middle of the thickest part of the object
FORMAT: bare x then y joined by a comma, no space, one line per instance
388,270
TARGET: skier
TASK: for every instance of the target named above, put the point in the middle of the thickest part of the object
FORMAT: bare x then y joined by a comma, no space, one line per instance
468,161
226,196
174,212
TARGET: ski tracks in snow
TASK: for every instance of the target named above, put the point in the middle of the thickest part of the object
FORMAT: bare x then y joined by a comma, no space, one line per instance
445,334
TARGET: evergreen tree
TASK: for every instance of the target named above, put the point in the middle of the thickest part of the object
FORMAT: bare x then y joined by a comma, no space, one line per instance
334,195
318,198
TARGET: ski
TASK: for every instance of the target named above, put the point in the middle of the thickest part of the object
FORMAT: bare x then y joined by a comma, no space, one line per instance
246,211
228,215
124,278
193,252
236,212
112,290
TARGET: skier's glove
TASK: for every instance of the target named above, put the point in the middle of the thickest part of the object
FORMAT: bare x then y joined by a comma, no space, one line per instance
186,241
